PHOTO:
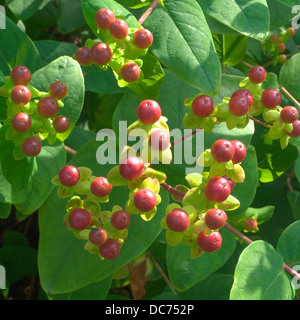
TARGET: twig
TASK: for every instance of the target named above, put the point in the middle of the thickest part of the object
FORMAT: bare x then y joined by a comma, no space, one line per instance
148,12
259,122
283,89
247,64
70,150
172,190
185,137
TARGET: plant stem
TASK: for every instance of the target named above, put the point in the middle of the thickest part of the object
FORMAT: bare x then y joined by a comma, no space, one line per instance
172,190
185,137
259,122
247,64
148,12
70,150
282,88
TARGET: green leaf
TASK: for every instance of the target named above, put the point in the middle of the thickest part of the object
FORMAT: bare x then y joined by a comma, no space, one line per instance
290,3
135,3
234,49
259,275
280,14
294,200
24,9
196,62
5,209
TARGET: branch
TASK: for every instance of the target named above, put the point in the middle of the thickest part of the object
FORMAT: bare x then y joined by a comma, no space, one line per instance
148,12
259,122
282,88
172,190
185,137
70,150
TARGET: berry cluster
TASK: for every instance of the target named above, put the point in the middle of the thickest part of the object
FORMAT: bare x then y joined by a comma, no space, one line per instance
120,48
32,115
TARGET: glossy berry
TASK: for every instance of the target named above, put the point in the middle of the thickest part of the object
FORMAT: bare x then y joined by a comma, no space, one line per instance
289,114
159,140
80,219
58,90
97,236
118,29
281,47
274,38
110,249
145,200
48,107
250,224
100,187
120,219
20,95
178,220
230,181
271,98
61,124
20,75
148,111
240,151
101,54
104,18
290,32
257,74
21,122
211,242
296,130
215,218
131,168
217,189
31,146
130,72
203,106
143,38
222,150
245,93
83,56
239,105
69,176
282,58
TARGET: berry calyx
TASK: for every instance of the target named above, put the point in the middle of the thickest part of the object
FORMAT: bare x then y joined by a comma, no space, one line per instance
131,168
101,54
120,220
257,74
20,75
217,189
98,236
83,56
245,93
148,111
110,249
80,219
61,124
250,224
21,122
104,18
48,107
240,151
159,140
239,105
58,90
271,98
290,32
100,187
296,130
211,242
118,29
203,106
289,114
142,38
215,218
145,200
20,95
69,176
130,72
178,220
31,146
222,150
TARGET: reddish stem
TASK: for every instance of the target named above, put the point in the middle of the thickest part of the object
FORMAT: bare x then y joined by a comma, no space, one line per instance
185,137
258,121
172,190
148,12
70,150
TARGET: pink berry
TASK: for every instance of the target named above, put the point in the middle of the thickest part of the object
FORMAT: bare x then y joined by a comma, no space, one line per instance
148,111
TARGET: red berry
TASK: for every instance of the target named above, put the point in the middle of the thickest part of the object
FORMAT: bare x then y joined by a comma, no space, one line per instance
48,107
240,151
250,224
83,56
58,90
131,168
110,249
159,140
239,105
80,219
271,98
130,72
274,38
118,29
97,236
100,187
101,54
21,122
289,114
215,218
61,124
257,74
296,129
178,220
245,93
148,111
281,47
290,32
69,176
120,219
230,181
222,150
203,106
211,242
142,38
217,189
20,95
282,58
145,200
104,18
31,146
20,75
